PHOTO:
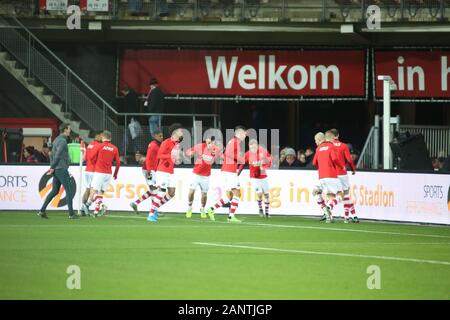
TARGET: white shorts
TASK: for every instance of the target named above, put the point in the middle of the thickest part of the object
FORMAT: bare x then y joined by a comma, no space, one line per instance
201,181
100,181
230,180
260,185
150,182
345,183
88,176
165,180
330,185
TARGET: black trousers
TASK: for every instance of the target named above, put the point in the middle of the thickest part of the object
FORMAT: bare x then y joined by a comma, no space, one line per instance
60,177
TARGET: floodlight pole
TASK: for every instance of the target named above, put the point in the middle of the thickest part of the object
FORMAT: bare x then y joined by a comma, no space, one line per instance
387,87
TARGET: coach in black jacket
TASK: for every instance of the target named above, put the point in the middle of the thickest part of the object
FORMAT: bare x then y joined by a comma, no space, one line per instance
155,104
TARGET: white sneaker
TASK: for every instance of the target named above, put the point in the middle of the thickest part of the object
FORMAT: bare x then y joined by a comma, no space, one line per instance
85,209
134,206
103,210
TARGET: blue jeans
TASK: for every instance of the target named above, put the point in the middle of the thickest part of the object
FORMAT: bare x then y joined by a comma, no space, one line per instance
163,8
154,123
129,143
135,6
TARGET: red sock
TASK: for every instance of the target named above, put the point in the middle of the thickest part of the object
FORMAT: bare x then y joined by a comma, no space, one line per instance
266,204
98,199
220,203
347,205
156,203
320,201
332,203
260,204
144,197
234,205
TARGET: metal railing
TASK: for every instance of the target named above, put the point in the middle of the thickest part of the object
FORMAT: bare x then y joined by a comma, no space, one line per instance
48,71
437,138
69,91
369,157
127,145
254,10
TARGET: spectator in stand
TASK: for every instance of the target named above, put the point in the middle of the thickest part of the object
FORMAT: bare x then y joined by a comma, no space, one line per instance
302,159
441,161
75,138
446,165
163,8
29,155
435,164
139,157
299,152
155,104
291,160
135,7
134,139
283,155
355,156
45,153
309,155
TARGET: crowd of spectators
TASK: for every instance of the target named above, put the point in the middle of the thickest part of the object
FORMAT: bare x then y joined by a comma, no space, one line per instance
302,158
32,155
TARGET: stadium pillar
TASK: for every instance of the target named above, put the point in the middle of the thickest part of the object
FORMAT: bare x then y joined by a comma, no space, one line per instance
387,87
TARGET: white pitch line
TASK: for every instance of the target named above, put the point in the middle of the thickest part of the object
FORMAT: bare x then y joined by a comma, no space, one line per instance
323,253
340,229
353,243
310,227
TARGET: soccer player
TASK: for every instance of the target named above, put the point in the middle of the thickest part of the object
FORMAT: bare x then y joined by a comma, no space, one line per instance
205,154
259,159
343,154
104,157
229,175
164,176
149,169
326,161
91,151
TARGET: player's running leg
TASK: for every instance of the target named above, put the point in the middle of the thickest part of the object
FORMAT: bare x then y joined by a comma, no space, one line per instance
219,203
147,195
98,202
203,201
347,206
266,204
331,203
163,196
234,205
351,209
260,206
317,193
89,202
190,201
85,199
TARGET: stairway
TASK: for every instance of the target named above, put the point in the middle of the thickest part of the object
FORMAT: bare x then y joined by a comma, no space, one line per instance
53,83
11,65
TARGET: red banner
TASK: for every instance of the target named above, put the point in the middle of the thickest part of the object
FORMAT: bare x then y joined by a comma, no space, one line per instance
417,74
246,73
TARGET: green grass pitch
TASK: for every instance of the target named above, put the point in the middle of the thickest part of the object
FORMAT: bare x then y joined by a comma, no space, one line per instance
122,256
